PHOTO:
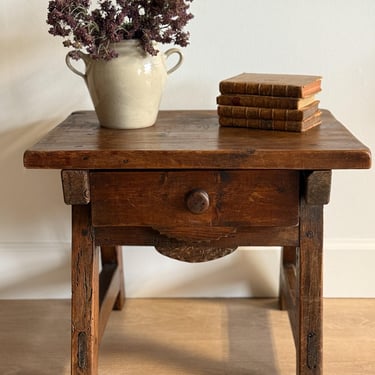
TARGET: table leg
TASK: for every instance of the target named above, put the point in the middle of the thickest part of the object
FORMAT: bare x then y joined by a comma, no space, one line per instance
111,256
85,294
308,307
111,285
287,283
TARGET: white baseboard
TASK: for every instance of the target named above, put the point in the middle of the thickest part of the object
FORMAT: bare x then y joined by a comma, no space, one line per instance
42,270
349,268
34,270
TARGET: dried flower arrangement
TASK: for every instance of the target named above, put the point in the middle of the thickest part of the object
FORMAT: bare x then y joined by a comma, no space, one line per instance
84,27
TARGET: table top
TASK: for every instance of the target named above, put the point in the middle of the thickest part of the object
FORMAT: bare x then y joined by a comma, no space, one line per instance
193,139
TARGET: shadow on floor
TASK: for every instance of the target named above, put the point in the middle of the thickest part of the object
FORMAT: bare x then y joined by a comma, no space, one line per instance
195,337
159,337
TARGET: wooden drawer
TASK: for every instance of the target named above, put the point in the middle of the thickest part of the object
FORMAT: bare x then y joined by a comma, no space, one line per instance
161,198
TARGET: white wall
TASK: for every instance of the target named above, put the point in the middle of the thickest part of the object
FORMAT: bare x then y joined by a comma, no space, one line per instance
334,39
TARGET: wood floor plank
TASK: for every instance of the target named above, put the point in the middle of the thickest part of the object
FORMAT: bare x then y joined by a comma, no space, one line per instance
186,337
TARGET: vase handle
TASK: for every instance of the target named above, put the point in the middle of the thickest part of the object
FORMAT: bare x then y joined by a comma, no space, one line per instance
180,58
68,61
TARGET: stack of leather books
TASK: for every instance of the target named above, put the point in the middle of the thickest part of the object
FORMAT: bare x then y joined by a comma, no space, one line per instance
283,102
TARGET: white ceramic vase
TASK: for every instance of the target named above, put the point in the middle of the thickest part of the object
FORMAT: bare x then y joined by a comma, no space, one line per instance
126,91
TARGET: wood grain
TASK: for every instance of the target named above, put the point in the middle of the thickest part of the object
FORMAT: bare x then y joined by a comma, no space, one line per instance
193,253
317,187
193,139
158,199
112,256
85,294
309,291
76,186
246,236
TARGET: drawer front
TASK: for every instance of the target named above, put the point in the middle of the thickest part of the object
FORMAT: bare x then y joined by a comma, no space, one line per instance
195,198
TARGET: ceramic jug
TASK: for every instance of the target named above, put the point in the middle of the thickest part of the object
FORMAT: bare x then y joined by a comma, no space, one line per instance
126,91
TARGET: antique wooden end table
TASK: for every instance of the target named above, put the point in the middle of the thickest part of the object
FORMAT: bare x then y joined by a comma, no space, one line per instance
195,191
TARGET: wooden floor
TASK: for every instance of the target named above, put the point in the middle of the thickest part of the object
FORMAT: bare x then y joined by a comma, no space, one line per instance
181,337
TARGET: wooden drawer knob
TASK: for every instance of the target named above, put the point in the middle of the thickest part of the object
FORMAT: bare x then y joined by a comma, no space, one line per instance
197,201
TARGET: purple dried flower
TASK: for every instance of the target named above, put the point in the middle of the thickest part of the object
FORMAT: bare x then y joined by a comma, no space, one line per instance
94,30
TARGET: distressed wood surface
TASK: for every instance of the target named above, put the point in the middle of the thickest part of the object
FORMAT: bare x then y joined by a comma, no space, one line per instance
301,290
158,199
85,294
76,186
191,253
111,284
193,139
309,291
244,236
195,233
112,255
317,187
287,296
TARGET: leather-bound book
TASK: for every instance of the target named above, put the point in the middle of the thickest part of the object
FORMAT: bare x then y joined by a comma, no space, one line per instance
287,85
268,113
264,101
290,126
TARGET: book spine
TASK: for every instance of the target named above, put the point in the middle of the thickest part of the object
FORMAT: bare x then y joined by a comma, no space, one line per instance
292,126
247,88
258,101
268,113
